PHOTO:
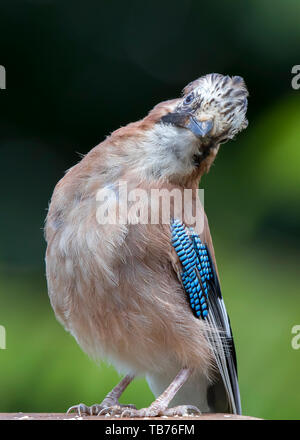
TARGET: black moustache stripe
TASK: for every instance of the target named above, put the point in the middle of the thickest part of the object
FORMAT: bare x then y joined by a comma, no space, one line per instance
175,118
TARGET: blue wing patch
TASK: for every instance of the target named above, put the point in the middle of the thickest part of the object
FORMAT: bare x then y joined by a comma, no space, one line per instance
196,265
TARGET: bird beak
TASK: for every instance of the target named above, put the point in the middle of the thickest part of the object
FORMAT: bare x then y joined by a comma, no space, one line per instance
187,120
199,128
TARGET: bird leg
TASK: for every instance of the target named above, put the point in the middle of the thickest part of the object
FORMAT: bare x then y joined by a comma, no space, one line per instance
110,405
160,406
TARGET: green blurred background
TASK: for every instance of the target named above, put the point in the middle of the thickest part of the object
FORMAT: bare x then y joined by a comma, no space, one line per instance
77,71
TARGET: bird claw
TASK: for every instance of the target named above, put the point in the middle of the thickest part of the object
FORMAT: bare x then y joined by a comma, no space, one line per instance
115,410
156,411
81,409
130,411
182,410
104,408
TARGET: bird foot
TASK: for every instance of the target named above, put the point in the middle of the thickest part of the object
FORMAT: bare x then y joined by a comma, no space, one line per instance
159,411
107,407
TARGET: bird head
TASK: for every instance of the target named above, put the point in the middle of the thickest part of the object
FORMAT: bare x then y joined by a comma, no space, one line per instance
179,139
213,108
211,111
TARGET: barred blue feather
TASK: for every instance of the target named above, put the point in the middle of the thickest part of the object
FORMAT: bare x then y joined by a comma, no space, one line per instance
196,265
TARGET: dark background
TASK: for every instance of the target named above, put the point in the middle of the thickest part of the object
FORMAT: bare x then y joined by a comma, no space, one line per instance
76,71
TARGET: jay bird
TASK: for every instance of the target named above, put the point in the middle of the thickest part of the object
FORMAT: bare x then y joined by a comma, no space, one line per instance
146,295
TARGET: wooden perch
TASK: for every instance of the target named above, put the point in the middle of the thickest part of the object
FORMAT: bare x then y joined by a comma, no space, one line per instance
62,416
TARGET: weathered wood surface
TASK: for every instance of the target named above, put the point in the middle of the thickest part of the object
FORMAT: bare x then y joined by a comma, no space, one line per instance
62,416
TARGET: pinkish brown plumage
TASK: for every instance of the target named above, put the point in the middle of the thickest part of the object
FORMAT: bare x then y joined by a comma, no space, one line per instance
115,287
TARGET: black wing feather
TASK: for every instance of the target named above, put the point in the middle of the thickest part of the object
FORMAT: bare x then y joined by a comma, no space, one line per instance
218,310
202,286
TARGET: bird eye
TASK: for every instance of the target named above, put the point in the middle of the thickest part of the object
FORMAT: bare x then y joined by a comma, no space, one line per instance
189,98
